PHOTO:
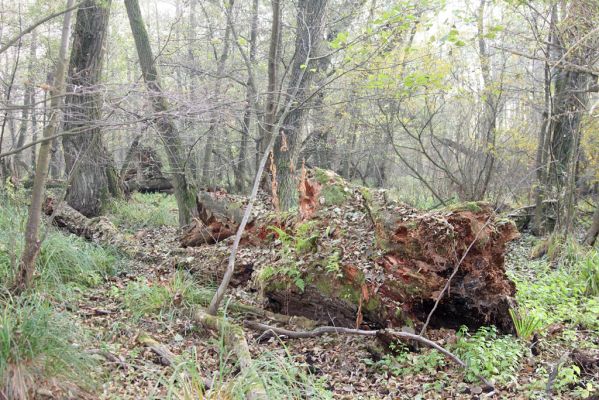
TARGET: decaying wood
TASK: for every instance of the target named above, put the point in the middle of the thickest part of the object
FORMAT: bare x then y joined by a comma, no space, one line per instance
235,341
99,229
409,262
217,219
167,358
142,170
322,330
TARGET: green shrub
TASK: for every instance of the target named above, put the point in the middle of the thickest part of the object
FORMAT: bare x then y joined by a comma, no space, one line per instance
37,344
489,355
144,210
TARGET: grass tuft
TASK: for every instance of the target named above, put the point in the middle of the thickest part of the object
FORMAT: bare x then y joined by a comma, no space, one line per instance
180,292
37,344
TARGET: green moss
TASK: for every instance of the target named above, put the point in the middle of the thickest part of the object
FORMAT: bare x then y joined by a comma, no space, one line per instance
372,304
471,206
334,194
322,176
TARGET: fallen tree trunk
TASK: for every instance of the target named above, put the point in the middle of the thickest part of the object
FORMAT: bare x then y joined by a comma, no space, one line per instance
353,256
234,339
98,230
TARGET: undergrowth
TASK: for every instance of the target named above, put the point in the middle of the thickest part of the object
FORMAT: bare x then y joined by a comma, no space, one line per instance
144,210
281,375
36,344
64,260
179,292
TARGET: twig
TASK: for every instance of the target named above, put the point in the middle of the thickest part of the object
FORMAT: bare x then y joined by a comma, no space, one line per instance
554,372
322,330
110,357
31,27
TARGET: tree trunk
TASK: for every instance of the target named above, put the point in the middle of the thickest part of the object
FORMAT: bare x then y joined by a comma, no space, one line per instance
20,165
240,168
215,120
591,236
86,157
164,122
32,243
570,102
308,35
539,221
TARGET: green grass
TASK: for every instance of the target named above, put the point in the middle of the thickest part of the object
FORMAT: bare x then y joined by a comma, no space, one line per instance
281,375
177,294
144,210
36,344
64,261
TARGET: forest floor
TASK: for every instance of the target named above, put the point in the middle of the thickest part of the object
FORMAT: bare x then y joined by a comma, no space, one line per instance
154,295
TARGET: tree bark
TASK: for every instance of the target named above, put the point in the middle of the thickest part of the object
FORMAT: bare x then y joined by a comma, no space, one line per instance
240,168
309,30
32,243
164,122
591,236
570,103
19,164
86,157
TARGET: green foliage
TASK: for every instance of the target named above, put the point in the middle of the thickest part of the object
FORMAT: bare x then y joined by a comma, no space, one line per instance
489,355
289,273
405,363
333,264
526,324
562,294
292,246
144,210
37,344
178,293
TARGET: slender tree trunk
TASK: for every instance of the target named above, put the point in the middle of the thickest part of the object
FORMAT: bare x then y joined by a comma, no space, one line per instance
240,168
271,106
85,155
539,217
489,116
165,125
32,244
308,35
215,121
19,165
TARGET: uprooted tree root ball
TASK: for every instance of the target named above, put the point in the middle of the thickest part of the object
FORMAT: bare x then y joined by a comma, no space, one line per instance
351,256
